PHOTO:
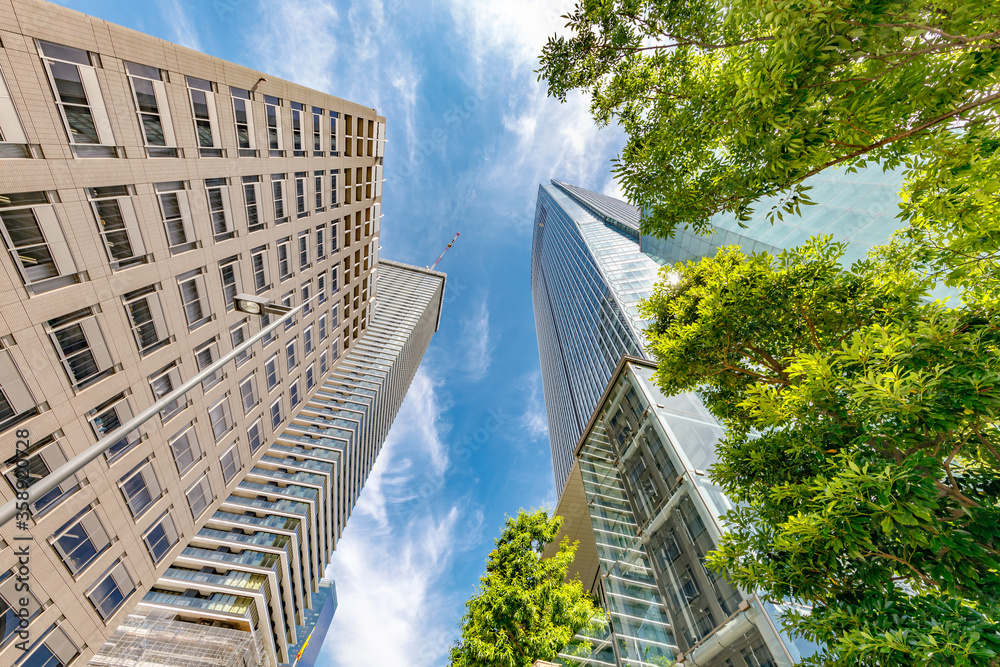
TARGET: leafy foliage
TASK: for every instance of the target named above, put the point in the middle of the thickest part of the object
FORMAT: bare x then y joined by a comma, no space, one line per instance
727,101
862,445
524,609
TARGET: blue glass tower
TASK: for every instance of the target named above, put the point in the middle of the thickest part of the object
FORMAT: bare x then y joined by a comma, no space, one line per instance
590,266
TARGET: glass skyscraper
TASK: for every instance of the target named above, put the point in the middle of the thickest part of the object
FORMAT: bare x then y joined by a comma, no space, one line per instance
590,266
630,463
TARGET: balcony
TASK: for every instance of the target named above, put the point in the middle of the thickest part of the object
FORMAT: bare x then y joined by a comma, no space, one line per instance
311,464
259,538
217,603
231,579
270,489
247,557
271,505
270,521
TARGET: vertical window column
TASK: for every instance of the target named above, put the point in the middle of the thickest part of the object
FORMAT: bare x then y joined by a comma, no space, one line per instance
150,97
206,116
246,143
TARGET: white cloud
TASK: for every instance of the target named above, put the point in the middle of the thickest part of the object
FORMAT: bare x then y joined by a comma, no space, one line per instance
534,420
479,346
390,597
392,566
185,32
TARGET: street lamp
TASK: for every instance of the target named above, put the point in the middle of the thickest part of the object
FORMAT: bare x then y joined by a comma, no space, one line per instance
255,305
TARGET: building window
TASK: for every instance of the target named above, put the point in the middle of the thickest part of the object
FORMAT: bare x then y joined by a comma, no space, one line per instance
81,348
276,416
140,488
321,288
163,382
320,243
291,362
303,251
334,117
176,215
218,208
317,116
270,337
255,436
229,269
199,496
36,241
258,262
297,148
307,340
231,463
79,100
333,316
80,540
184,446
318,185
220,418
161,538
107,418
55,650
334,273
150,97
288,301
243,115
334,200
323,332
206,118
145,315
111,591
310,377
248,393
118,225
251,197
322,363
205,355
238,335
43,456
13,140
272,110
307,306
16,402
12,601
293,393
271,371
284,263
300,194
193,291
278,197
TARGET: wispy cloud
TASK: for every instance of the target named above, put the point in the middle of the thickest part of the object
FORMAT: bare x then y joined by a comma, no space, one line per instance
390,593
185,32
534,420
392,567
479,346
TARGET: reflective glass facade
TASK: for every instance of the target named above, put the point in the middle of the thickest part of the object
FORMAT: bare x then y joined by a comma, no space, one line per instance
655,516
586,279
858,208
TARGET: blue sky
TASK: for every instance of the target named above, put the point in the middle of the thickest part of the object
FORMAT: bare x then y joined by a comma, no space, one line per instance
471,134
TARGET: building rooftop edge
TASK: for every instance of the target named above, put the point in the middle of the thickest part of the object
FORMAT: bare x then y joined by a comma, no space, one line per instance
429,272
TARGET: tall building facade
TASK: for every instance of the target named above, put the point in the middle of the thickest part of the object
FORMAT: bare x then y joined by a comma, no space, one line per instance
629,462
142,186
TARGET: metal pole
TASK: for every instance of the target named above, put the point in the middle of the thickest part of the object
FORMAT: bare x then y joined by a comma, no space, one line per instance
9,509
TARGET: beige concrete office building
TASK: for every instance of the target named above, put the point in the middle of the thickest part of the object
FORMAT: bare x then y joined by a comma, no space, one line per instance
142,186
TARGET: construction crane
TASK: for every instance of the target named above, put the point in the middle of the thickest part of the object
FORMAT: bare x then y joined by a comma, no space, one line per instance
450,244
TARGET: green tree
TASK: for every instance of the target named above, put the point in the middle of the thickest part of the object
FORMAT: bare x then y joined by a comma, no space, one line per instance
862,445
524,609
727,101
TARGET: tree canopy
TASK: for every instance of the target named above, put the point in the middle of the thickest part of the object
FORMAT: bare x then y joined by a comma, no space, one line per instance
862,445
524,609
728,101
